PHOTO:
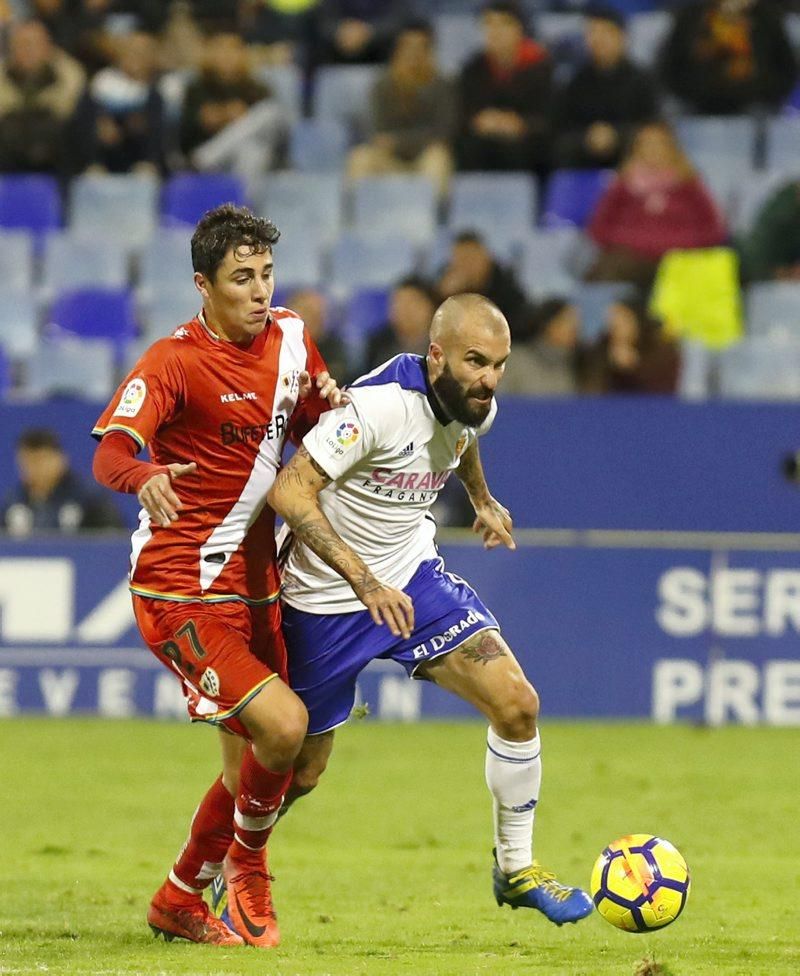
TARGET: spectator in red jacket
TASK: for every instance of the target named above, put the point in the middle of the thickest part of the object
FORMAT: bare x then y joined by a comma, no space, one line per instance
506,97
656,203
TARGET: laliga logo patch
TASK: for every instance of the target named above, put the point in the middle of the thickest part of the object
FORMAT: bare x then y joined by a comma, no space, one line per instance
461,444
132,398
347,433
209,682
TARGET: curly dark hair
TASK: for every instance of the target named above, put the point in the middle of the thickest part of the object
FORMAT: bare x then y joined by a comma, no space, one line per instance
225,227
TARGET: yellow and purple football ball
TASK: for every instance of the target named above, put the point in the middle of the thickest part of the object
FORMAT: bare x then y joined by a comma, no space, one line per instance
640,883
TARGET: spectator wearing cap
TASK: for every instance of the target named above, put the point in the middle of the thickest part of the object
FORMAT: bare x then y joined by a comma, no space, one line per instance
506,95
50,496
608,96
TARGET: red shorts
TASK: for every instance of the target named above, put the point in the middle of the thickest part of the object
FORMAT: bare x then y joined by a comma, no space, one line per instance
224,653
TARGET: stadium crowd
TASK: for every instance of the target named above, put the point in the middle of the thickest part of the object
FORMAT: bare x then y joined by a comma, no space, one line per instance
552,156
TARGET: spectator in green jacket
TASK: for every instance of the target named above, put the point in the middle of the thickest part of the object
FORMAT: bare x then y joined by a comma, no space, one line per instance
771,250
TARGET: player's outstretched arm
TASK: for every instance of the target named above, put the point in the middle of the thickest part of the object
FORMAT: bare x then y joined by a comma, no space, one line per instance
295,497
492,519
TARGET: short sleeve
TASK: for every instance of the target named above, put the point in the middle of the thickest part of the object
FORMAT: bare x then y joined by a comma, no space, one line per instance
149,396
340,440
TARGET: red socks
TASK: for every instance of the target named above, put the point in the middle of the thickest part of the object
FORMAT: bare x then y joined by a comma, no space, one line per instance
259,799
210,837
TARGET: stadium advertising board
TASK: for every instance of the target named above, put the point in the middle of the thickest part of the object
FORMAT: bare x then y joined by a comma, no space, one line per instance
605,628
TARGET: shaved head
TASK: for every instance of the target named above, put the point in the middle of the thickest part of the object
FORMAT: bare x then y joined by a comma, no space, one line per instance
460,312
469,344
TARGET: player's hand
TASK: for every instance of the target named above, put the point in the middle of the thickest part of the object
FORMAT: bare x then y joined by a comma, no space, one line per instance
157,497
494,522
387,606
326,385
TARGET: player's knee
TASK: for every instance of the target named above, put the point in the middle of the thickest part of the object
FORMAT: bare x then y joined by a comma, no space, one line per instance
306,778
516,714
281,736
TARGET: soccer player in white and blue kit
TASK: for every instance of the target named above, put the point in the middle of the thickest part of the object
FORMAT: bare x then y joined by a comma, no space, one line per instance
363,578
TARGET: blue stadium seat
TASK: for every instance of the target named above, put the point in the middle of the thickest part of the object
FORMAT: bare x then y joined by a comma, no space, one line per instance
572,195
123,207
501,207
298,261
697,376
370,262
646,33
773,307
165,267
342,93
167,310
545,262
95,313
16,258
302,203
67,365
187,196
366,311
318,145
18,321
31,202
724,175
726,135
286,81
73,263
458,36
761,368
783,143
593,300
403,205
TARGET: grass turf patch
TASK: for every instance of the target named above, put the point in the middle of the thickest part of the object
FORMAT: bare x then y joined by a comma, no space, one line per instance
386,868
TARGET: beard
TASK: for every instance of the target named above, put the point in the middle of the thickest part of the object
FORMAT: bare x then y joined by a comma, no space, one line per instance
458,403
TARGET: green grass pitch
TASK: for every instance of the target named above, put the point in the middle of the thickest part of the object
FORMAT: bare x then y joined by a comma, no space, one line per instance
385,870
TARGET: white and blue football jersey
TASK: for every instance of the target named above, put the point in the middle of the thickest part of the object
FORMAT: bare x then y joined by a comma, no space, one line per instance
389,452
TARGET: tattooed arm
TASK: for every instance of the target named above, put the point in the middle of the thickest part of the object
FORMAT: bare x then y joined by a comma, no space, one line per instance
492,519
295,497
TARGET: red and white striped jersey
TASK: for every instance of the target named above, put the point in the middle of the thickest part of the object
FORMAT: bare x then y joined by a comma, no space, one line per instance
194,397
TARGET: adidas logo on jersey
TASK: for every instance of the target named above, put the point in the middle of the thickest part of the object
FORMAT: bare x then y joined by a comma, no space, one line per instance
408,450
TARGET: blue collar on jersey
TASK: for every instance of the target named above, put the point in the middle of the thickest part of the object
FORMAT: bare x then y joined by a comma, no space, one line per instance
411,373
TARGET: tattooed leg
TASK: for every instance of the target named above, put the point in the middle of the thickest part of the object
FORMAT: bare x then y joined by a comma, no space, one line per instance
484,672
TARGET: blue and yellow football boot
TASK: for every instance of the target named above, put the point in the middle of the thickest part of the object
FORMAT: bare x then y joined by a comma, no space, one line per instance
533,887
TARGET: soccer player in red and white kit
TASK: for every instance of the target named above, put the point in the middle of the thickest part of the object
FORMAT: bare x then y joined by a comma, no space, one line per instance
214,403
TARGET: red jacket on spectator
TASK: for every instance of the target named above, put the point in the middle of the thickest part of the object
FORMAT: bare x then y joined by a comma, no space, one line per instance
651,218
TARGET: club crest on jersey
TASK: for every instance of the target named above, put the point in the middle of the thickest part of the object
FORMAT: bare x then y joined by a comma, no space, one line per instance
209,682
290,382
130,403
347,433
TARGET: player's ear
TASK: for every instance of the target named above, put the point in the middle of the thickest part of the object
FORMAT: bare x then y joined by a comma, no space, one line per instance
201,284
436,353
